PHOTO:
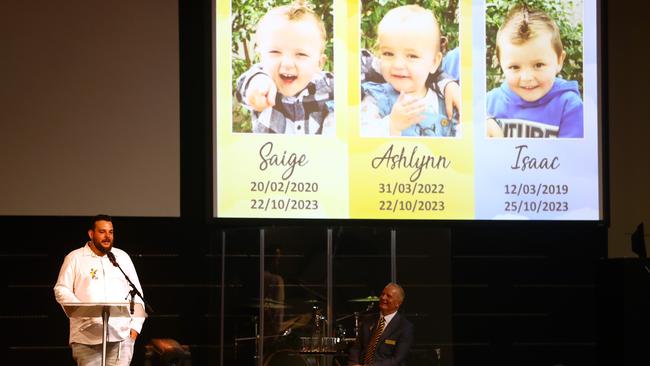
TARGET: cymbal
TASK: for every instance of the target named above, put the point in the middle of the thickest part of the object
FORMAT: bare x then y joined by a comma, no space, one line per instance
365,299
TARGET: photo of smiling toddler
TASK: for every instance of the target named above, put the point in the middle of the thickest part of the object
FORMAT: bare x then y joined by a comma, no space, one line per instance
533,101
288,92
408,102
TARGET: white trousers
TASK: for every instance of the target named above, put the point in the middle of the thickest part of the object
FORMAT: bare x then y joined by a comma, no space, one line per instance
117,353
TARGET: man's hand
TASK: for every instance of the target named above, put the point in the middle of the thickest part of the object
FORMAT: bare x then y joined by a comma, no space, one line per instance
406,112
452,99
134,334
260,93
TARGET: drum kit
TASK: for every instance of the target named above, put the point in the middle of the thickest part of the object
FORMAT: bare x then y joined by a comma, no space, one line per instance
305,334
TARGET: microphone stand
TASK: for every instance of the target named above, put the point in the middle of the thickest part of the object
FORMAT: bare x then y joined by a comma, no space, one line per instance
134,290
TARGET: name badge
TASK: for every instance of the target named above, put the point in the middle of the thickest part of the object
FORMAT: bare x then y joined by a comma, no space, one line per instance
390,341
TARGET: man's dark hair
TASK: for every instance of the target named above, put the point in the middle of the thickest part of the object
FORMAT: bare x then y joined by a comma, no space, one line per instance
100,217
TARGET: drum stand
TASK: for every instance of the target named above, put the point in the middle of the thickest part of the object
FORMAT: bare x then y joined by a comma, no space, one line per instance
257,338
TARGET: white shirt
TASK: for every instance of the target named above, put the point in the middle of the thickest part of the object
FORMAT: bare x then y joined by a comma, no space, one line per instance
87,277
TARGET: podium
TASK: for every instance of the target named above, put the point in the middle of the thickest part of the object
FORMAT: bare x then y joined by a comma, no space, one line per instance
105,310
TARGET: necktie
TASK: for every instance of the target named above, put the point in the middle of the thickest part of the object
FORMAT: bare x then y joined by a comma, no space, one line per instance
372,346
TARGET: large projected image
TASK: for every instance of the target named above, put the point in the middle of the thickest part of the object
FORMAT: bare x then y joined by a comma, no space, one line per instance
428,110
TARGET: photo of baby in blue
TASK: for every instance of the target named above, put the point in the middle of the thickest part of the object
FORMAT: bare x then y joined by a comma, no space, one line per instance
406,100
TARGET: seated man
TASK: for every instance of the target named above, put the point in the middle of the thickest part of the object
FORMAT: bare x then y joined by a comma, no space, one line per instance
385,339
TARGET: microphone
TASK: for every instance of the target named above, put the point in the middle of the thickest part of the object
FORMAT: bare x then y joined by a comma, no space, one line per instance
134,291
111,257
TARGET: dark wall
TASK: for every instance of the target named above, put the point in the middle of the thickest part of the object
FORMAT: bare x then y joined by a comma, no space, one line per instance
628,127
521,295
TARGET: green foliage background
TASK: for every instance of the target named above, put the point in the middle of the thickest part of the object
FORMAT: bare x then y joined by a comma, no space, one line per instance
561,11
245,15
373,11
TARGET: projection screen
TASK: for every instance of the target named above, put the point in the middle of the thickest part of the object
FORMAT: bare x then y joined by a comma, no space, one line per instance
426,110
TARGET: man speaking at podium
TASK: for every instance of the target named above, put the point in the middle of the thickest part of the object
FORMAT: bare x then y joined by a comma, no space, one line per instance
88,275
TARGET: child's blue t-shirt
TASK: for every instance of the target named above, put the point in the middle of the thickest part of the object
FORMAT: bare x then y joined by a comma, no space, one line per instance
559,113
435,123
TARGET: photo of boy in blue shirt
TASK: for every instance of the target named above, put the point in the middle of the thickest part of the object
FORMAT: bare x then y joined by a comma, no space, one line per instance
532,102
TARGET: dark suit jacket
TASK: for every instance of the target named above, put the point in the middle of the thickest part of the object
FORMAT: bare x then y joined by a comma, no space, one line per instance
393,346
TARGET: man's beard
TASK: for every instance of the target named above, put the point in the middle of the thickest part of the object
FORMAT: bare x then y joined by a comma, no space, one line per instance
101,248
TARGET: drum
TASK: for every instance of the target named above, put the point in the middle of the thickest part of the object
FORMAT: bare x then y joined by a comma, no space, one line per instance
285,357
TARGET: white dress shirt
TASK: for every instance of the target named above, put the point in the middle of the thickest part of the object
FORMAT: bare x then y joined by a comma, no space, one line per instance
87,277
